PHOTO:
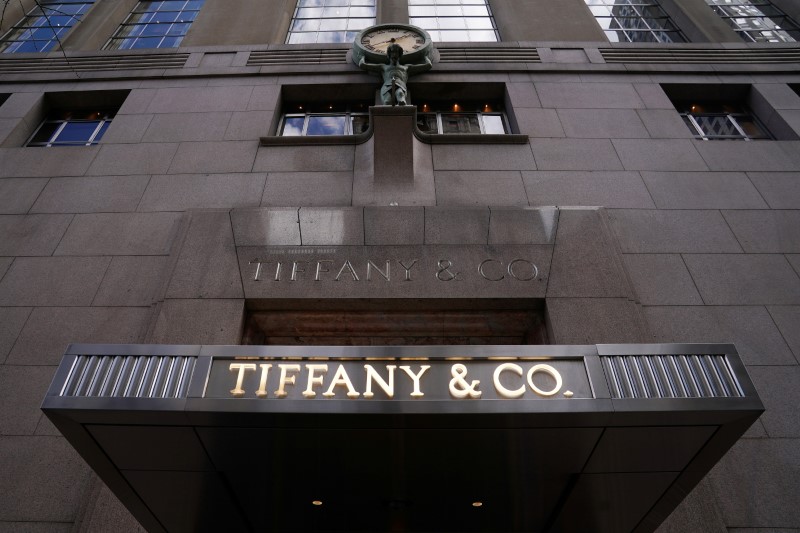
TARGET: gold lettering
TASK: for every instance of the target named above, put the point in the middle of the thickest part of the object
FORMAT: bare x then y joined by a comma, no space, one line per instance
547,369
286,379
341,379
388,388
416,379
371,265
407,268
320,269
262,384
501,390
348,267
313,380
459,387
296,270
241,368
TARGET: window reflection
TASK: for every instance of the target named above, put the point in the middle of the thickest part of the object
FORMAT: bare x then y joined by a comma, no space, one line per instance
72,128
454,20
325,119
41,29
756,20
155,25
485,118
641,21
330,21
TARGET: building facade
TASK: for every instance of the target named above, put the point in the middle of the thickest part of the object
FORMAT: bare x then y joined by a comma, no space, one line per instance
645,156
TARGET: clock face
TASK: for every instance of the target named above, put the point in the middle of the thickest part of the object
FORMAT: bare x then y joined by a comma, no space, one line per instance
378,40
372,42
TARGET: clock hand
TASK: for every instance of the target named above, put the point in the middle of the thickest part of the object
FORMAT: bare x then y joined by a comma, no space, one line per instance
395,38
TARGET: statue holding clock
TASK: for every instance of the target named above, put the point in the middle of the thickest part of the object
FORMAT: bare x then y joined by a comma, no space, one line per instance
396,51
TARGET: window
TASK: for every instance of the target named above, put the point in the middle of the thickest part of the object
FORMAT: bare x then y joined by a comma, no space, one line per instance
454,20
722,122
723,111
44,26
329,119
330,21
634,21
72,128
756,20
465,117
155,25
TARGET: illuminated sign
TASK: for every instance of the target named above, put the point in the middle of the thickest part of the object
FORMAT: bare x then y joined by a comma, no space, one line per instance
504,378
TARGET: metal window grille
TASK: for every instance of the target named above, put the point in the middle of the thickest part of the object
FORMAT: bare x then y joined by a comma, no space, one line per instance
637,21
454,20
330,21
155,25
756,20
72,129
41,29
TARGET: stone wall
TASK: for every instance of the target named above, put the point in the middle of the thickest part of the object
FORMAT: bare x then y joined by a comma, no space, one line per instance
125,242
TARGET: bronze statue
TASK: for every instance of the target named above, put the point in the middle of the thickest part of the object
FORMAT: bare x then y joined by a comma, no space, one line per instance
395,75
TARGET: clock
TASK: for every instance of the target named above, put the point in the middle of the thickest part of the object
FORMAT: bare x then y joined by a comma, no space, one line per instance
371,43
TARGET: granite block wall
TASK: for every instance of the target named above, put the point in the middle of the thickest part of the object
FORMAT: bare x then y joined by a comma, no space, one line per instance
709,233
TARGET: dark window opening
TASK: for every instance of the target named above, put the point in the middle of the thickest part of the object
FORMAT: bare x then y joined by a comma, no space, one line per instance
75,118
497,324
719,112
72,128
314,110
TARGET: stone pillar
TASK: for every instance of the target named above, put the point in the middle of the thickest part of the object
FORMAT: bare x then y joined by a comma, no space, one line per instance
394,144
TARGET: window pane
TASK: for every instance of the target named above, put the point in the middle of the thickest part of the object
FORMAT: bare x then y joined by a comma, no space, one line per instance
151,20
493,125
461,123
464,20
330,21
360,124
77,132
53,23
293,126
45,132
427,123
322,125
640,21
751,129
756,21
333,24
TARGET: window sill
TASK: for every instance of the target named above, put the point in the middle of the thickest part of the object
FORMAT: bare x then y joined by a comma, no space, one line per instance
317,140
470,138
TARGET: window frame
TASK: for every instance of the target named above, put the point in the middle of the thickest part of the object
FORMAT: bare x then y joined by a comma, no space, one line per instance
97,134
359,26
348,113
746,34
117,40
436,33
481,122
691,117
7,44
638,7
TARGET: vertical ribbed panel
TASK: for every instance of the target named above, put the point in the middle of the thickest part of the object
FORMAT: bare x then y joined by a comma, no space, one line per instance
671,376
119,376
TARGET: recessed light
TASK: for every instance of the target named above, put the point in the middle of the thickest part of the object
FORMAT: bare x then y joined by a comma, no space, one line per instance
316,502
477,504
